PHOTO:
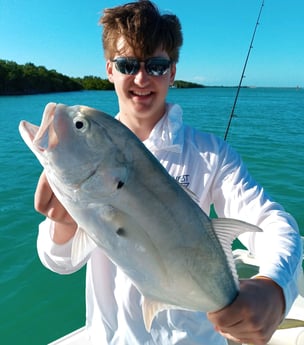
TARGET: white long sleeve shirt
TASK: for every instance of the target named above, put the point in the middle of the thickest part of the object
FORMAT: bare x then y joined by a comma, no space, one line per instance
211,169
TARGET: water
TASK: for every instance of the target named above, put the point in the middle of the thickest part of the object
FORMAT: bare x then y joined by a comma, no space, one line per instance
38,306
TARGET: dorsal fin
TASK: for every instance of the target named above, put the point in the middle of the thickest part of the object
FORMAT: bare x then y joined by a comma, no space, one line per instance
227,230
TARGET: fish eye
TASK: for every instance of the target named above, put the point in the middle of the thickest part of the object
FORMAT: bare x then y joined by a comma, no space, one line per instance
80,124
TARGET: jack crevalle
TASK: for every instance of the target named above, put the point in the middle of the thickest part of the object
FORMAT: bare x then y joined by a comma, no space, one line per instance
127,204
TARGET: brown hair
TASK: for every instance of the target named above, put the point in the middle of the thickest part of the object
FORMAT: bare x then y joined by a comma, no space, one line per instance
143,28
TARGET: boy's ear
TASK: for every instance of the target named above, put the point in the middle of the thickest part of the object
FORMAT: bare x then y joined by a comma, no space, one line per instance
109,69
173,73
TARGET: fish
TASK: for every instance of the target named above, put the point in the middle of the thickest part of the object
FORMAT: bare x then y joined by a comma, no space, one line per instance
125,202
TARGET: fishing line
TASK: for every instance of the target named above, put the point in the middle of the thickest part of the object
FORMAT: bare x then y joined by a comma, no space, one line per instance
243,72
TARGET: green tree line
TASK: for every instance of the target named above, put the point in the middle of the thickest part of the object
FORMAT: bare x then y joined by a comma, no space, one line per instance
28,79
180,84
94,83
16,79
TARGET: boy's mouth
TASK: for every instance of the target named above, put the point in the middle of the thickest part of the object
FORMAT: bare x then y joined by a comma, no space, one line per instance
141,93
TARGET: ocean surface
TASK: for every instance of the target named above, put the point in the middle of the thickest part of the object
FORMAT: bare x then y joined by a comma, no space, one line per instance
38,306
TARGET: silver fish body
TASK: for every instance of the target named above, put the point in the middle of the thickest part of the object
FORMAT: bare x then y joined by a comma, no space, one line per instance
127,204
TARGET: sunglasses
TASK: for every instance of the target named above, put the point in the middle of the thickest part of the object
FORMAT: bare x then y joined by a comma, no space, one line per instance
155,66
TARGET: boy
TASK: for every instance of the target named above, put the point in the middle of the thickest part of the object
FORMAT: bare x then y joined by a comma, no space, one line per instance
142,48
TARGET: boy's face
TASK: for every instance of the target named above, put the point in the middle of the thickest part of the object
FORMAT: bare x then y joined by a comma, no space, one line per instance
140,95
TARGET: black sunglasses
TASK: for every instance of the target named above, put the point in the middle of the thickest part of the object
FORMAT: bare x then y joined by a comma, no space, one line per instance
155,66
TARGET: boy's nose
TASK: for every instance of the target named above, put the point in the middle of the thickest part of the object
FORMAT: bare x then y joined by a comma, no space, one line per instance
141,76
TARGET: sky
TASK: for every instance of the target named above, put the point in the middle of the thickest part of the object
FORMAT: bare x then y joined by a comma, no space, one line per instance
64,35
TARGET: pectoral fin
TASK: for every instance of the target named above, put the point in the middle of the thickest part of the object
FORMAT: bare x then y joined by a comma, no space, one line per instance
82,246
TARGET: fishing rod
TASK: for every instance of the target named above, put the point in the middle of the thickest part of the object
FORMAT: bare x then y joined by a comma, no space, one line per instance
243,72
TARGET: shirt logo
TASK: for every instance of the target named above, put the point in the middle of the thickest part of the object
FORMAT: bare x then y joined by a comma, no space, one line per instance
183,180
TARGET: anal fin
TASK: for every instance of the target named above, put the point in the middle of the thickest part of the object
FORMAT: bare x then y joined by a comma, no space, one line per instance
150,309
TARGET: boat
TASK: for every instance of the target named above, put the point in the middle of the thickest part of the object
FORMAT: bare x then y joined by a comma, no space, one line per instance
247,266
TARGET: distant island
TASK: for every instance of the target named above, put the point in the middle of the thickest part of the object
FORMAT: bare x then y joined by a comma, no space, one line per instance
180,84
27,79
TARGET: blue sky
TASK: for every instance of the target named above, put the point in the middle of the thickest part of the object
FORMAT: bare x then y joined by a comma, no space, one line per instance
64,35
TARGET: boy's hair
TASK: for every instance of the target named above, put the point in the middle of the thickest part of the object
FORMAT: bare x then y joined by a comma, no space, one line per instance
143,28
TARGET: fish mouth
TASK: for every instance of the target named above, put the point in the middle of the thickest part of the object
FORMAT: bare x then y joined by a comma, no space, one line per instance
28,132
46,137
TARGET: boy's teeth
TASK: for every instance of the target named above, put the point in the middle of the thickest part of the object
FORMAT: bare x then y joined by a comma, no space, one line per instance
141,93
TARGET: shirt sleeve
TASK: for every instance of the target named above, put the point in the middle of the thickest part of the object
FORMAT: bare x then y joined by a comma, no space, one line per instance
278,248
53,256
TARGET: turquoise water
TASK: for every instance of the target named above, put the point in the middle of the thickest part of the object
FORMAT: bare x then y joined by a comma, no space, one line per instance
38,306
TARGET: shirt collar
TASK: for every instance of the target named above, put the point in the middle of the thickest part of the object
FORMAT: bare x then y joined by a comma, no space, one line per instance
166,133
